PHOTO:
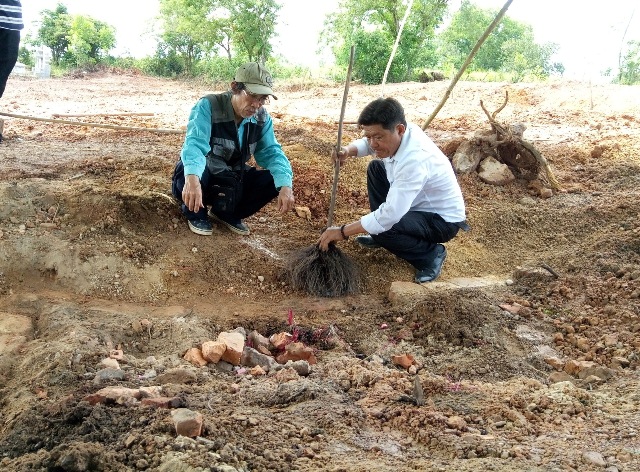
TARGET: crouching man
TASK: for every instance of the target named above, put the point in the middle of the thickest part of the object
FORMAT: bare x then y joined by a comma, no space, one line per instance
415,200
223,132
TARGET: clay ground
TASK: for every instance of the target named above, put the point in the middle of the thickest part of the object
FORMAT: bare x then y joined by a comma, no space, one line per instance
90,244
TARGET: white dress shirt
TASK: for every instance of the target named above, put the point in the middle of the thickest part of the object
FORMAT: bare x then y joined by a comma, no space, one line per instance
421,178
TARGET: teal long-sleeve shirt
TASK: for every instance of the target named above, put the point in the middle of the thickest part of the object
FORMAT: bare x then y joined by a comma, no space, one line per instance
268,152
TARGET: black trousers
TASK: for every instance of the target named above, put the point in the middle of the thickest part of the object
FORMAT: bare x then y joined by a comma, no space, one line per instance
415,236
9,46
258,189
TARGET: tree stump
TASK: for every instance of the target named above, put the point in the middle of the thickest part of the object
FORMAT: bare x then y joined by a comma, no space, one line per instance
508,146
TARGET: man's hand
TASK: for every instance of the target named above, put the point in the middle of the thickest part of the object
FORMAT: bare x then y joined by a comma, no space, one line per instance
285,199
192,193
340,156
329,235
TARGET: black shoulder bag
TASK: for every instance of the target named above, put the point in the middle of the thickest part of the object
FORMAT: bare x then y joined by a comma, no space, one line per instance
226,187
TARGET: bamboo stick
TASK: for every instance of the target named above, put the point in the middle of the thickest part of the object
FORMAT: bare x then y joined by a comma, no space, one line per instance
94,125
473,52
69,115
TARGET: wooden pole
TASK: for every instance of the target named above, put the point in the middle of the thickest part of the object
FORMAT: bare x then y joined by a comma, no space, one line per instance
473,52
69,115
94,125
336,171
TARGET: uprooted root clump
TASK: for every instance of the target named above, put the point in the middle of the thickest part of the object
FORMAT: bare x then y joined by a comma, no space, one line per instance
323,273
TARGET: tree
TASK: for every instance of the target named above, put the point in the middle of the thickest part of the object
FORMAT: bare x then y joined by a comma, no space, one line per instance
191,29
509,48
630,68
373,25
90,40
524,57
54,31
194,29
253,26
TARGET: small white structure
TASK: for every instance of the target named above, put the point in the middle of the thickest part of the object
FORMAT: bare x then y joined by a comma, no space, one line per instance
42,68
19,69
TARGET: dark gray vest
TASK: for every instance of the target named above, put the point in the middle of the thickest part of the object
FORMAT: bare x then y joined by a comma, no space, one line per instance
225,153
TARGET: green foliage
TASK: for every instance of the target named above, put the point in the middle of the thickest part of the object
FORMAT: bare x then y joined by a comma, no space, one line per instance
25,56
89,41
630,67
217,69
189,32
196,30
373,25
54,31
253,26
75,41
509,48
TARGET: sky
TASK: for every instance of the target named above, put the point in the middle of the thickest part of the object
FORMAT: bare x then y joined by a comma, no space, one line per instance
589,33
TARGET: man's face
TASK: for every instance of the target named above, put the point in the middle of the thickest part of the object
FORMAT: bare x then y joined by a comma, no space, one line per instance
245,103
384,142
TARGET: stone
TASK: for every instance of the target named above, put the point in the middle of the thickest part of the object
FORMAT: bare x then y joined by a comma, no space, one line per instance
297,352
235,345
546,193
256,340
187,422
574,367
555,363
620,362
212,351
590,380
467,158
280,340
116,354
557,377
194,356
610,340
403,360
599,371
257,371
251,358
176,376
301,367
593,458
112,395
110,363
105,375
493,172
456,422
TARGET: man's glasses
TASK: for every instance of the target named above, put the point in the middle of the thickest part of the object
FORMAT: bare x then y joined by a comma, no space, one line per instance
262,99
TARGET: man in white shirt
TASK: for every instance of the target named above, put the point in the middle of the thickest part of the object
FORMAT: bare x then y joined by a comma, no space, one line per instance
416,202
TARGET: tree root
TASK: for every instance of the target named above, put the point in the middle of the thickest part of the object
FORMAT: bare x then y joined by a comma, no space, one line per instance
507,142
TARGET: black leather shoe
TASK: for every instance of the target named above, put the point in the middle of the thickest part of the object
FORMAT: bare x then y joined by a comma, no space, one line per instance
431,273
367,241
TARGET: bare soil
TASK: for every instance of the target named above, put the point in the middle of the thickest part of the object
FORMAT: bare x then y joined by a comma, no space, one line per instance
91,243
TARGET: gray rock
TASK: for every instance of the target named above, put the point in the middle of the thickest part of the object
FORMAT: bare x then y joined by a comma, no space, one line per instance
176,376
104,375
301,367
593,458
467,158
494,172
251,358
